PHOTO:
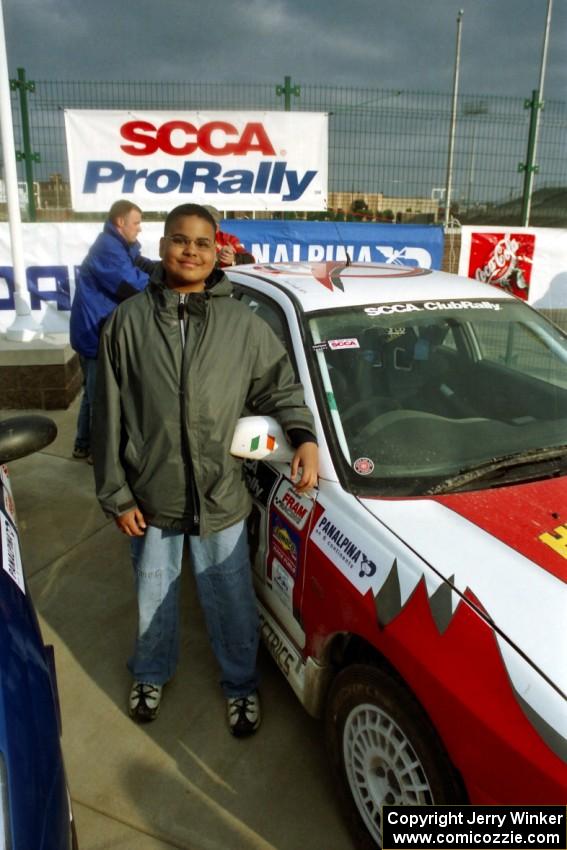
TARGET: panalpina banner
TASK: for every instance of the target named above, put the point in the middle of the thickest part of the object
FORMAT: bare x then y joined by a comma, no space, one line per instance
529,262
54,250
233,160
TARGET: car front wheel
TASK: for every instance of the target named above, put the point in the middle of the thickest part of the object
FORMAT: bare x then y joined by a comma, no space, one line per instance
383,750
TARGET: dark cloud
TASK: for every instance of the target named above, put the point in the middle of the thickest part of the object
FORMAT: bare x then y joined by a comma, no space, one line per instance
406,44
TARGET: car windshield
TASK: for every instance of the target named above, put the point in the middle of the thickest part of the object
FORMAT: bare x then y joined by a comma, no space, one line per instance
436,396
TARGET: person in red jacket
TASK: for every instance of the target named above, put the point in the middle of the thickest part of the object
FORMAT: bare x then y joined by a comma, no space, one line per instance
230,251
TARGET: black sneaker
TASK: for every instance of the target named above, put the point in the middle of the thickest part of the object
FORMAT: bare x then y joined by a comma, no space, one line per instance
144,702
243,714
81,453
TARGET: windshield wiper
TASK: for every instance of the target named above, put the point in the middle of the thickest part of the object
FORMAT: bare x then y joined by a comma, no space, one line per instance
501,464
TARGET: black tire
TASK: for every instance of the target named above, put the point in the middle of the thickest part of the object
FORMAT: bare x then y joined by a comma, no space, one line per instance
370,715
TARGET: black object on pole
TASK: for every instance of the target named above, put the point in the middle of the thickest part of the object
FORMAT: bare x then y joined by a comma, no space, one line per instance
23,435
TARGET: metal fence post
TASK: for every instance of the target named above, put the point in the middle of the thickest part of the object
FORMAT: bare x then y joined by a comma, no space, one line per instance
288,90
530,168
536,104
28,156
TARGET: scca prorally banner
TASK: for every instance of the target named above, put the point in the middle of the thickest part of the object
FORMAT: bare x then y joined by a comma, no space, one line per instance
233,160
529,262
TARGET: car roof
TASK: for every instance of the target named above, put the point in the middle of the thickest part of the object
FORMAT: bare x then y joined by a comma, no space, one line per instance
330,285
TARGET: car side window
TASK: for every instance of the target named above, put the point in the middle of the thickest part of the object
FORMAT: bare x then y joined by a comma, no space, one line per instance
520,349
273,315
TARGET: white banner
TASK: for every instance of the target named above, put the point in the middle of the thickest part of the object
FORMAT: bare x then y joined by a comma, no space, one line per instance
231,159
53,252
530,262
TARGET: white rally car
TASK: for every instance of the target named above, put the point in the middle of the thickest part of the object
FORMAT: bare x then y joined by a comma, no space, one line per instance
417,600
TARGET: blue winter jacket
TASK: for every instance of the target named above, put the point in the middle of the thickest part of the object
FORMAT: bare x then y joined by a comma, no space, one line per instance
107,276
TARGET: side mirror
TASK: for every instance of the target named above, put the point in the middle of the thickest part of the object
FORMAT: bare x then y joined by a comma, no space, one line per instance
260,437
24,435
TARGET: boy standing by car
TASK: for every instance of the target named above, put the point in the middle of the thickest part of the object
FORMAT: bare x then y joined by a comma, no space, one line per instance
177,365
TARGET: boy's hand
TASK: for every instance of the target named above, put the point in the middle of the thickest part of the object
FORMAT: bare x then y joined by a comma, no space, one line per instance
306,457
131,523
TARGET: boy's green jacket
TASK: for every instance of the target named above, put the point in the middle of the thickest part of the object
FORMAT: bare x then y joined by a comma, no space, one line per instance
165,411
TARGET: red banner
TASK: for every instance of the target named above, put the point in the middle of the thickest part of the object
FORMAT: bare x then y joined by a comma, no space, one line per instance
504,259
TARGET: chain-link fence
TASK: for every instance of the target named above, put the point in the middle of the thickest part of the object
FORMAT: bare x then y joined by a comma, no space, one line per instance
388,148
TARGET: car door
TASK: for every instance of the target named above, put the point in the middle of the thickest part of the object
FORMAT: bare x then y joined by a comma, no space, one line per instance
280,522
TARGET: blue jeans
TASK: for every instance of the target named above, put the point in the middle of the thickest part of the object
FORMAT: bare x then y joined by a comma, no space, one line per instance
83,435
221,565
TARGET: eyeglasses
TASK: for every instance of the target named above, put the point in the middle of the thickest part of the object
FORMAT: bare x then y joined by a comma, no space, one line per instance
201,244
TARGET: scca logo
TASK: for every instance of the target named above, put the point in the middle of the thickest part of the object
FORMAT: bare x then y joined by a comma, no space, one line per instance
343,343
181,138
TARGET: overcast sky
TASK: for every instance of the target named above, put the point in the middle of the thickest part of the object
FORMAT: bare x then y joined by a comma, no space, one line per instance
406,44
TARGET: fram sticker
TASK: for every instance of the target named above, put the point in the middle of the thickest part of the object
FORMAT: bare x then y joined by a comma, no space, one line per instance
292,505
338,344
11,560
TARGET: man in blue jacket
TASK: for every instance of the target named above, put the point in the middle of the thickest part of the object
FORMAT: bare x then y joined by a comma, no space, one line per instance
112,271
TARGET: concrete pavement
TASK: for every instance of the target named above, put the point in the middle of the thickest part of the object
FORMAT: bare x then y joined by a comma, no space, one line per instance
183,781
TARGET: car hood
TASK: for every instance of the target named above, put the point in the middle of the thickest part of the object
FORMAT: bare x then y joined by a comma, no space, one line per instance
507,549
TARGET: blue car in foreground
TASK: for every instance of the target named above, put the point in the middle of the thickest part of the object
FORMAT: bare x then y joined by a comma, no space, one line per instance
35,808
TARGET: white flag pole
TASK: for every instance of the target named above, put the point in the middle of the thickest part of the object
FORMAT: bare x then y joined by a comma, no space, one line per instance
24,327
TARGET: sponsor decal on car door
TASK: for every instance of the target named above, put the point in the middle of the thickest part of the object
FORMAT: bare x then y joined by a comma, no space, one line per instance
279,527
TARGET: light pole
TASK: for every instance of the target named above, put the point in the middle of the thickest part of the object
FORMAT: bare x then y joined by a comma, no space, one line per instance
449,180
536,105
24,327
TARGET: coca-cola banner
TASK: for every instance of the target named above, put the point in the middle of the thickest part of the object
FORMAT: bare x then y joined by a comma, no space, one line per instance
529,262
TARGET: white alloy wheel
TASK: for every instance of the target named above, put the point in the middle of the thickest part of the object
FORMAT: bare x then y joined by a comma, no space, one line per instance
381,765
383,750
